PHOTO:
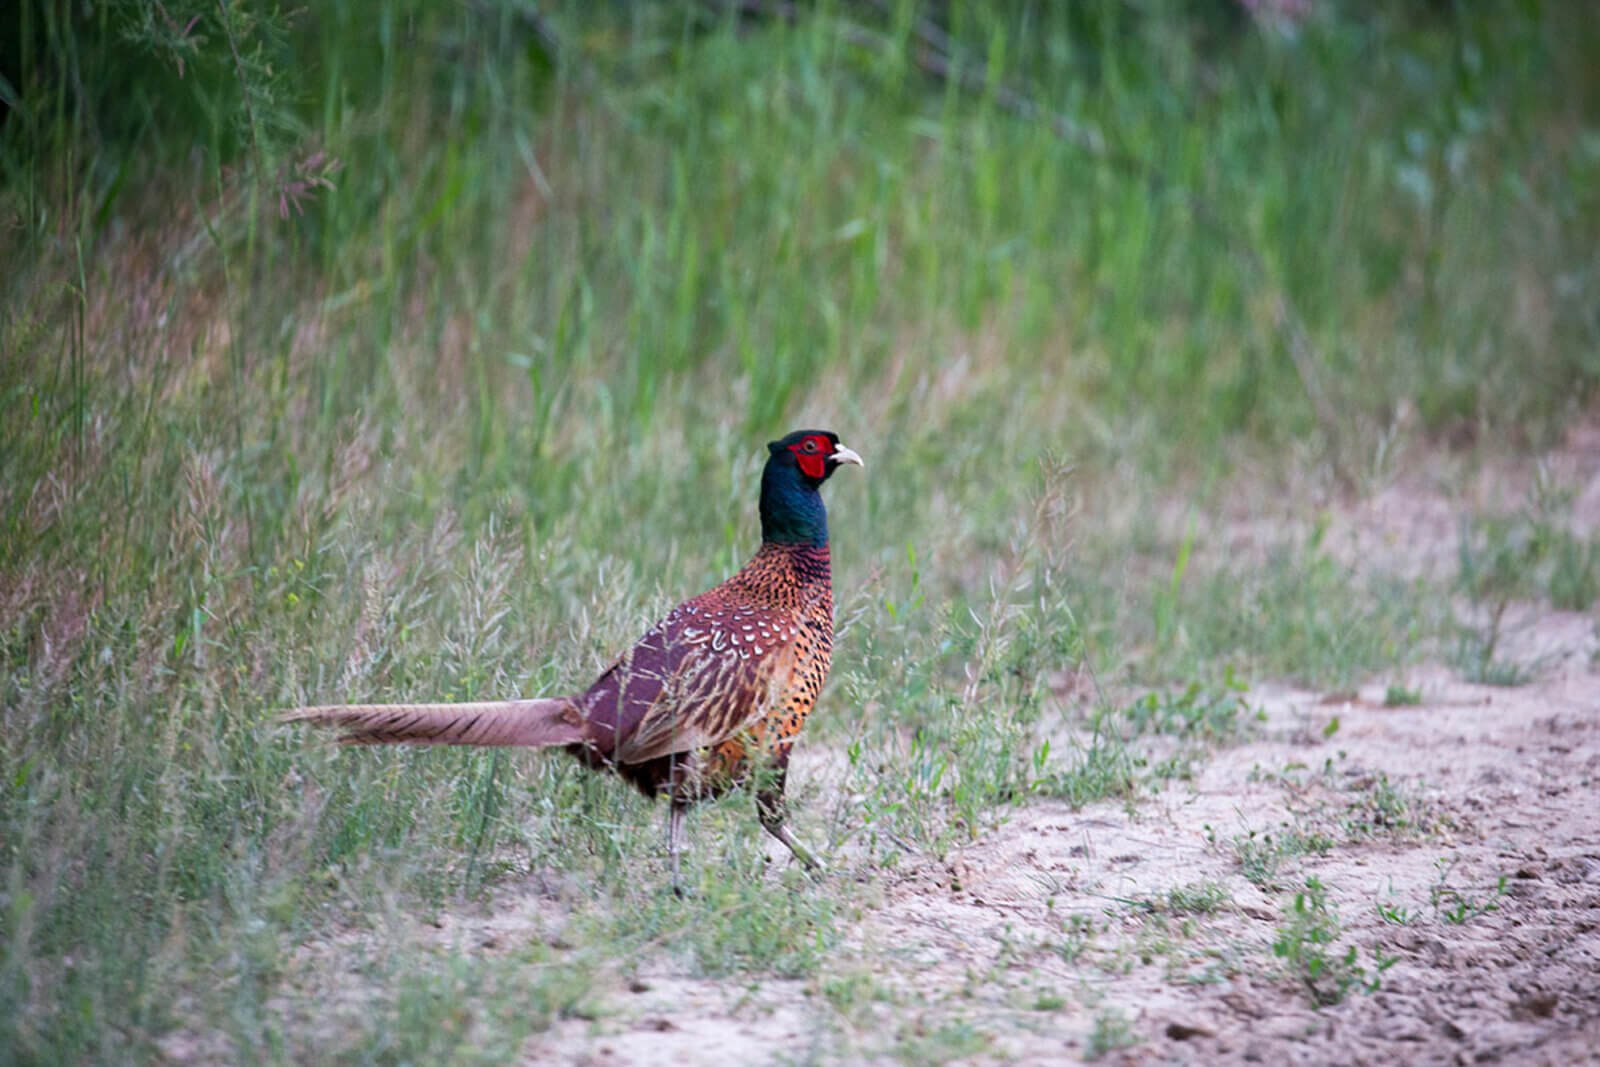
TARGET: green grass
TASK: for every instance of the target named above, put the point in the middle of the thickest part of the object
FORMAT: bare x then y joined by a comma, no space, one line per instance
453,1008
1298,614
1401,696
1458,905
1195,712
385,349
1111,1032
1380,808
1529,555
1261,856
1198,898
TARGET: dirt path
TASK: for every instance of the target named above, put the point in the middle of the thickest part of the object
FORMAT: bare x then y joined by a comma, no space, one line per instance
1501,783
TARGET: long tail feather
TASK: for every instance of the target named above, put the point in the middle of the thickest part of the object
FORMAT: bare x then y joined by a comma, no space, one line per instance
529,723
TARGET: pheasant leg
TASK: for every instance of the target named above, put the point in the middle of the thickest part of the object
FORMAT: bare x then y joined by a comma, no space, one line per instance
675,844
770,808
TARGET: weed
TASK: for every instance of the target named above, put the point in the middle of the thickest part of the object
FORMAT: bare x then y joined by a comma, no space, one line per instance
1458,906
433,1011
950,1040
1307,944
1077,936
853,994
1570,572
1210,714
1049,1002
1165,602
1379,808
1399,696
1102,768
1260,856
1112,1031
1158,939
1297,614
1574,581
1490,576
737,925
1395,914
1196,898
1177,767
1521,556
1476,658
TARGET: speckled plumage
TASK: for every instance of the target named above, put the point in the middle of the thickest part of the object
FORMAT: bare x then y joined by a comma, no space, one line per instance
726,676
714,692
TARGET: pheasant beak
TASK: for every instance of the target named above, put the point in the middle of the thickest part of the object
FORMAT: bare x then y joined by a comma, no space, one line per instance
842,455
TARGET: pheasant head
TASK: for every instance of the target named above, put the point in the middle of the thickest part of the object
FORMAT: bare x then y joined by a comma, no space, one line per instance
791,506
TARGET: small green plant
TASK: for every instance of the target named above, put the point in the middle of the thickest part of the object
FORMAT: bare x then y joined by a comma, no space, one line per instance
1475,656
1195,898
429,1006
852,994
1077,935
1574,581
1395,915
1379,808
1495,565
1571,564
1400,696
1177,767
1258,857
1111,1032
1526,555
1298,614
1165,603
951,1040
1261,855
1458,906
1103,768
1211,713
1308,945
1046,1001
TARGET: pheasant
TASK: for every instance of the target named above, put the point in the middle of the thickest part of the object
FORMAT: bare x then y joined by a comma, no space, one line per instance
710,698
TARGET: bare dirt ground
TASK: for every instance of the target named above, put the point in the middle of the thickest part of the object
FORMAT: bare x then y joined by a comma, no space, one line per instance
1508,781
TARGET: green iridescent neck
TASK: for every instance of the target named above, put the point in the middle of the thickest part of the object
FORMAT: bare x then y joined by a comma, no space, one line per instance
792,512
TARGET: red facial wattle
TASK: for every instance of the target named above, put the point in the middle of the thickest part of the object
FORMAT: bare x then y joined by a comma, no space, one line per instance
813,463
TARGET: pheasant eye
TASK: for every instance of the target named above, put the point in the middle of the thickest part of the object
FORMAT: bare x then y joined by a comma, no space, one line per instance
811,444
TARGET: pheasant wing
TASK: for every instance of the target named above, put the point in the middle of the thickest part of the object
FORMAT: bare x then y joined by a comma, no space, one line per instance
700,676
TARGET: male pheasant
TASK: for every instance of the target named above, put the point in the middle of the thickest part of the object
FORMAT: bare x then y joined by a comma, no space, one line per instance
710,698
